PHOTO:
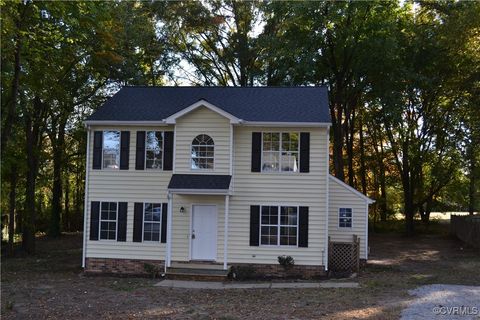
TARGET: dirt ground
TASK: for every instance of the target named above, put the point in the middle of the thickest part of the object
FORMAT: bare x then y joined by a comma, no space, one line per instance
51,285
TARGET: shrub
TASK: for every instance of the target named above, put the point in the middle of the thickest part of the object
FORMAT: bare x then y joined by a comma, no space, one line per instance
242,273
151,269
286,261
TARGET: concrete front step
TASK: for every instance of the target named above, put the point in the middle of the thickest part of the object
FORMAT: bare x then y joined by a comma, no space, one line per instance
197,274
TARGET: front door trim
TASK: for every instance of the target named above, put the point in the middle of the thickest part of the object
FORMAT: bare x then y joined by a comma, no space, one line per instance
190,242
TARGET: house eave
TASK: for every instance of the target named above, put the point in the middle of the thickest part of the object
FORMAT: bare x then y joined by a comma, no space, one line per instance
124,123
200,191
285,124
201,103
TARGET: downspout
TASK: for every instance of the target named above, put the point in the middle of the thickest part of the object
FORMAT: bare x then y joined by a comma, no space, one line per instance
327,211
85,206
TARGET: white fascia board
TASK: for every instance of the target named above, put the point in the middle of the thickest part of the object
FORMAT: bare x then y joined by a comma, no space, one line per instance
124,123
200,191
352,190
285,124
201,103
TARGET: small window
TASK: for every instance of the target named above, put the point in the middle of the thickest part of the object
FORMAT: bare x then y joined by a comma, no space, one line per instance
154,150
152,216
280,151
203,151
345,217
108,221
111,149
279,225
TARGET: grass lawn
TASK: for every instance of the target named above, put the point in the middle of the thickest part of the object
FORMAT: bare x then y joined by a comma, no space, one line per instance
51,285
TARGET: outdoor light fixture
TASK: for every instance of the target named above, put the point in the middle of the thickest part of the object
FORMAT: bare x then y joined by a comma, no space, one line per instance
182,210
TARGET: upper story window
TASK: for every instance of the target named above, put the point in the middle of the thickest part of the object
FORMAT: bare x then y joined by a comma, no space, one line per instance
203,152
154,150
345,217
280,151
111,149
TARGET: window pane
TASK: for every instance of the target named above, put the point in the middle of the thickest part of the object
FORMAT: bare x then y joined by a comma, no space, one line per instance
270,161
111,149
288,216
154,150
156,236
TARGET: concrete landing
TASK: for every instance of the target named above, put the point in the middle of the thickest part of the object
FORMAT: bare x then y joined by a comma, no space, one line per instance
258,285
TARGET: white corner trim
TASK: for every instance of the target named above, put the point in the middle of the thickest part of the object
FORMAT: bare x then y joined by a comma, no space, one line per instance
327,202
285,124
85,205
201,103
352,190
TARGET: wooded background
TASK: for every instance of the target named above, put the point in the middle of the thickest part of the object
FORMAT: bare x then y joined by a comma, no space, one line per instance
403,77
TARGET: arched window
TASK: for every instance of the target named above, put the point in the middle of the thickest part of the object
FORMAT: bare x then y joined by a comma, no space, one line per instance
203,150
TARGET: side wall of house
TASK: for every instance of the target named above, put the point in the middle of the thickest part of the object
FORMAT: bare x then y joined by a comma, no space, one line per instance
341,197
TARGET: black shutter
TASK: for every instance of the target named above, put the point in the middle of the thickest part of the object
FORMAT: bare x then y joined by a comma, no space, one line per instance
94,220
163,237
97,149
168,150
140,154
124,149
303,227
122,221
256,151
138,222
305,152
254,225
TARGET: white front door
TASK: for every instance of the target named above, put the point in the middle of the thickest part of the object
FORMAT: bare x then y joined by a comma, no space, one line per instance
204,232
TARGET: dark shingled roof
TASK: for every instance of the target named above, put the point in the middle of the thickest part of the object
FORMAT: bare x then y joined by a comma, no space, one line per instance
269,104
200,181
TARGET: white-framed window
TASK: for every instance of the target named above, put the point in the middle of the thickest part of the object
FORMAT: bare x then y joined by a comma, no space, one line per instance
345,217
203,152
152,219
280,151
108,220
279,225
154,150
111,149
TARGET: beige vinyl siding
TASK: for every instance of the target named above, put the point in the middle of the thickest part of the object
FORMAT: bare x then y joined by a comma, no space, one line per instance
341,197
126,186
295,189
181,227
202,121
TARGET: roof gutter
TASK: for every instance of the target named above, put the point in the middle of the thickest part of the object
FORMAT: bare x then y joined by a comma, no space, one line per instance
124,123
284,124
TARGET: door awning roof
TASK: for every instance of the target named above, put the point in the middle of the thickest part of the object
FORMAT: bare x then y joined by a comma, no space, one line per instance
199,184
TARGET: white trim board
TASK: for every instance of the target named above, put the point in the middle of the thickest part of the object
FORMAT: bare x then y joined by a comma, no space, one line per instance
352,190
201,103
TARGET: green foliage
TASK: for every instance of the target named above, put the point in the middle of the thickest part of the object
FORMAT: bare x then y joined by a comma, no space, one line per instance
286,261
242,273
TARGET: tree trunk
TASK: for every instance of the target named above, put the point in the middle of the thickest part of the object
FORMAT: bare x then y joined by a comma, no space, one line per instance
350,129
58,145
363,174
33,123
66,220
471,187
12,103
338,150
12,204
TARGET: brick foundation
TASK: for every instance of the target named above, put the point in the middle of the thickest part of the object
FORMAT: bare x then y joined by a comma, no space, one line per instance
121,266
276,271
133,267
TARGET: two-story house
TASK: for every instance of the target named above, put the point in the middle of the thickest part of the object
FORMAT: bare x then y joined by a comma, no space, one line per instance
225,176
